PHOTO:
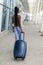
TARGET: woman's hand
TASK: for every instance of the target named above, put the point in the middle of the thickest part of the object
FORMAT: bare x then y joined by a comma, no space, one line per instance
22,31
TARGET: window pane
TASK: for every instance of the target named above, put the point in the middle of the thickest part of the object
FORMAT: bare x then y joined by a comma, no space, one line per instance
11,13
4,18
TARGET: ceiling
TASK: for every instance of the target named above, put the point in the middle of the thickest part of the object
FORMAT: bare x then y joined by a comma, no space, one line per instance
25,5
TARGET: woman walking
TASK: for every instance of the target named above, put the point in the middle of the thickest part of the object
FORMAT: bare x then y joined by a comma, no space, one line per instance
16,21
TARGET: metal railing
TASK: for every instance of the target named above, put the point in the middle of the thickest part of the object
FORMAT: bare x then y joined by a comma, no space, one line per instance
6,6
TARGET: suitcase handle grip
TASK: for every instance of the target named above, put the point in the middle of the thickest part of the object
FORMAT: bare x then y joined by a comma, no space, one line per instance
23,35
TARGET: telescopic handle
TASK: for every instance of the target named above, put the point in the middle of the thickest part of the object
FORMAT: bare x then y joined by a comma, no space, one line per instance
23,35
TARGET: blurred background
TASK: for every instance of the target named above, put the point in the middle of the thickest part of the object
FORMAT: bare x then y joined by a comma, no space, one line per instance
32,10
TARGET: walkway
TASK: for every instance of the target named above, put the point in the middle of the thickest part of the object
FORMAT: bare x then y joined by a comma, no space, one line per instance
34,47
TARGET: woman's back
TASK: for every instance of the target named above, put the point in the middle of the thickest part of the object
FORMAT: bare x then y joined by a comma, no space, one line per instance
16,23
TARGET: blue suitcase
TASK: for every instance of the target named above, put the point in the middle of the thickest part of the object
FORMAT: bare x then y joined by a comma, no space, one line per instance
20,49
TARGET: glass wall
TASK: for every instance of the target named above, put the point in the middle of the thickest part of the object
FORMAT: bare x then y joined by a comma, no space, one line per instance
11,13
4,18
4,14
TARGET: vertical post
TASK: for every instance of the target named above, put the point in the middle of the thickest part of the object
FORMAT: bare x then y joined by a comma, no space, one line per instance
7,17
37,10
1,8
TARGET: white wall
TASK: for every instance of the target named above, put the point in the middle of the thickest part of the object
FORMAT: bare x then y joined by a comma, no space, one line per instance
1,7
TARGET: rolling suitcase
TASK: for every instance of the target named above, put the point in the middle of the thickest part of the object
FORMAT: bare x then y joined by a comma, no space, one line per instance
20,48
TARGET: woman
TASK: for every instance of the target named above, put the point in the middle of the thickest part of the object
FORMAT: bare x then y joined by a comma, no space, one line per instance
16,20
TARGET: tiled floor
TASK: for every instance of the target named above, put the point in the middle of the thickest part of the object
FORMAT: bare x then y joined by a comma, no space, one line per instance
34,41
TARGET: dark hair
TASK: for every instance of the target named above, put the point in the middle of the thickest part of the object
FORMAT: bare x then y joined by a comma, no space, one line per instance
16,15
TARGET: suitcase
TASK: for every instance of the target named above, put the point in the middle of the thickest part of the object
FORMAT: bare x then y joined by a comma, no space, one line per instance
20,49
